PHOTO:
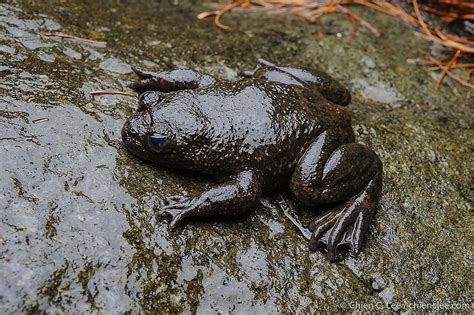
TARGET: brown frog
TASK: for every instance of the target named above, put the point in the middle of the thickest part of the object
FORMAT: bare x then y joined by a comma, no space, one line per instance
275,126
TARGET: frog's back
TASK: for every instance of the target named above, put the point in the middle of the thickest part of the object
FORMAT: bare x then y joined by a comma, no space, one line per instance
253,115
248,124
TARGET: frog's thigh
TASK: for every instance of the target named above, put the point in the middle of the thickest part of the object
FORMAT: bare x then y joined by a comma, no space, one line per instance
350,174
329,87
341,174
237,195
168,81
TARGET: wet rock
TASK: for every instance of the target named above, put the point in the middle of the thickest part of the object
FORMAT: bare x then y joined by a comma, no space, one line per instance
79,232
7,49
45,56
115,65
72,53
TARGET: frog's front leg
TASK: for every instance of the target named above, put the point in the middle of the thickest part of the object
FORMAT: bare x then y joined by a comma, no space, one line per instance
237,195
349,175
168,81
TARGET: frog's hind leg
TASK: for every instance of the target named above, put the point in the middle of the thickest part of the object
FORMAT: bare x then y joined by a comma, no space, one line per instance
329,87
349,175
347,224
168,81
237,195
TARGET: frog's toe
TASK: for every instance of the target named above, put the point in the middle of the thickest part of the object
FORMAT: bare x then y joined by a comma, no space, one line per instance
328,232
175,199
175,207
176,220
320,228
141,74
341,235
341,228
176,214
355,238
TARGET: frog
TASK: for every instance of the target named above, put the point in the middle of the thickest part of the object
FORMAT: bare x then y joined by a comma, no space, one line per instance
272,127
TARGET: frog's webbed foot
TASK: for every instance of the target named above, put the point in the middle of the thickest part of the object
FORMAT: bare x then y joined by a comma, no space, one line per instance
168,81
346,225
176,207
349,175
236,195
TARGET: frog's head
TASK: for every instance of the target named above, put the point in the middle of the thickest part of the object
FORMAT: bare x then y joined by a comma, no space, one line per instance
162,130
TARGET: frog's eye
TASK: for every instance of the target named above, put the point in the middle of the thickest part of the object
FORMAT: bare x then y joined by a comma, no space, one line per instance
157,142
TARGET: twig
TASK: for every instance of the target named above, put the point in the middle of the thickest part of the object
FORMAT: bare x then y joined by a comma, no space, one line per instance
420,19
447,16
469,74
39,120
448,67
363,22
353,30
80,39
455,66
448,43
312,10
317,10
222,12
452,76
459,39
219,13
107,92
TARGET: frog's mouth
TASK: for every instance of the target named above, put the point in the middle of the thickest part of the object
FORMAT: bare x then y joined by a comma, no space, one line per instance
134,136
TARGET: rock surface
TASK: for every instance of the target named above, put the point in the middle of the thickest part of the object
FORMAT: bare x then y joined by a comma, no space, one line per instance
77,226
